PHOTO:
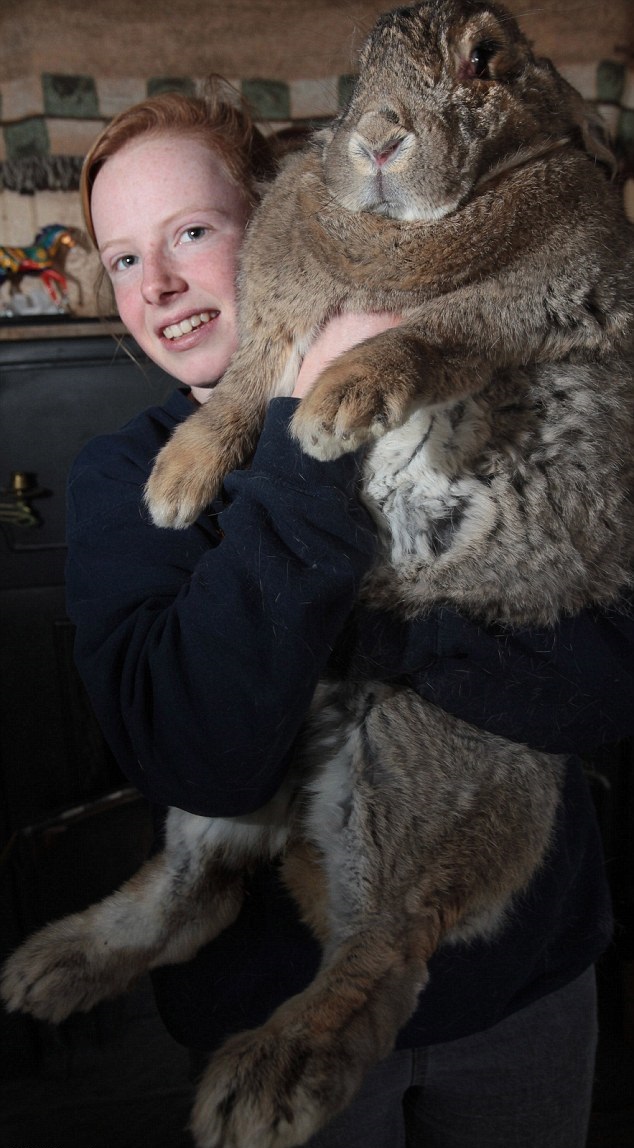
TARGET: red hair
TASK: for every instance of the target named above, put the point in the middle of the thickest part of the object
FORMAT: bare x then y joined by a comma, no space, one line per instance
217,116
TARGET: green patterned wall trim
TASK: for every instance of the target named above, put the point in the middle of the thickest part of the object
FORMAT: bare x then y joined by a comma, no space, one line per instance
158,84
344,89
625,135
70,96
26,139
268,99
41,173
54,115
610,81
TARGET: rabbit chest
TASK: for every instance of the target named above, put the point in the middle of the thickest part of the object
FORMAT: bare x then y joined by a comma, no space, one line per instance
491,503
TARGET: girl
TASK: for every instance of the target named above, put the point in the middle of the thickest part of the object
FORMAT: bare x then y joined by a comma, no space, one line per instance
201,649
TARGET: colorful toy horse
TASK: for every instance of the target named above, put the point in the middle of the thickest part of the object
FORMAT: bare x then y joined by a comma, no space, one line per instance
45,257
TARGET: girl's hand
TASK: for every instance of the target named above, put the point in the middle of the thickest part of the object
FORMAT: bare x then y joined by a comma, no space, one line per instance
340,334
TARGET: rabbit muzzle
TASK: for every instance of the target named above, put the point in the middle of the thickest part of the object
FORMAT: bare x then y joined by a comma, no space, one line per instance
383,163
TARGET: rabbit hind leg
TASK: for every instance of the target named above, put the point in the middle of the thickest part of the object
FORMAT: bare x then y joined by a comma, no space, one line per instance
177,901
276,1086
424,829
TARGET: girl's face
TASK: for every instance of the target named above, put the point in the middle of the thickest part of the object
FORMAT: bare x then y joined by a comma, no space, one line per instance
169,223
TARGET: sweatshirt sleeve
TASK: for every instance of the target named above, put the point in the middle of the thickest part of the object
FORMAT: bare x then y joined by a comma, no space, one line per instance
201,649
564,689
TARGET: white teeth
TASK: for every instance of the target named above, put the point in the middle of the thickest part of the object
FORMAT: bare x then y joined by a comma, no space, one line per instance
187,325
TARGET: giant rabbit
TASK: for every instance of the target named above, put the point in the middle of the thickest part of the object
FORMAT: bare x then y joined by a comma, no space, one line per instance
467,187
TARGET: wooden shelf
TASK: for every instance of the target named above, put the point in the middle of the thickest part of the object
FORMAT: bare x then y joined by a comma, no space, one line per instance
54,327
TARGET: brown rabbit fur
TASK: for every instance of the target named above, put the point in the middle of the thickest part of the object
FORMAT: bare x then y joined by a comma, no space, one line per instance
466,188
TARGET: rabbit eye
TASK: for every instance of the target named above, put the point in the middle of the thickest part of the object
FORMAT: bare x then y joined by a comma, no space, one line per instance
480,58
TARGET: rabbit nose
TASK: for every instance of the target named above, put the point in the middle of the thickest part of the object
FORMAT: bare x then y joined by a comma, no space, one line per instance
386,151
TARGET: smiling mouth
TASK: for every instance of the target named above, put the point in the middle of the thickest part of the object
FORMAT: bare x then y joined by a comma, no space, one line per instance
176,330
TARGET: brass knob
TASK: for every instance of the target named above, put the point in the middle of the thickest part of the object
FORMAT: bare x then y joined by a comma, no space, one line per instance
21,481
15,508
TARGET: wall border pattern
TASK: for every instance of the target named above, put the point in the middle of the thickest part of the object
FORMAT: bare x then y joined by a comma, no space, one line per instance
48,122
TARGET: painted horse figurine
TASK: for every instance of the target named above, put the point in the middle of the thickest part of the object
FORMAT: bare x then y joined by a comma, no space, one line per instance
45,257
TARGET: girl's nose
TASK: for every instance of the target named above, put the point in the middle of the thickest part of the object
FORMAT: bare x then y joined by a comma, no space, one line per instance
160,279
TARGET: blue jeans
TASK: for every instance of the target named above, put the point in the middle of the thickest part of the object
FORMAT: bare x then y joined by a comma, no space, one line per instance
526,1083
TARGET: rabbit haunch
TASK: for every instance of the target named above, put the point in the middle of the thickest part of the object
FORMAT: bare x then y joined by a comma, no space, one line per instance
466,186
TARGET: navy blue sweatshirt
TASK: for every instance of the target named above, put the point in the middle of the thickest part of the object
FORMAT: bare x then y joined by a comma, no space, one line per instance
200,650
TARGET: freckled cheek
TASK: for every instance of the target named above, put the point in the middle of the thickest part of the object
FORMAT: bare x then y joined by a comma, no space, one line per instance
228,265
130,307
222,277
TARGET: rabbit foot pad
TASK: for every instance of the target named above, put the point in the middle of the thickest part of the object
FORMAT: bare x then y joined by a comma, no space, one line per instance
267,1090
58,971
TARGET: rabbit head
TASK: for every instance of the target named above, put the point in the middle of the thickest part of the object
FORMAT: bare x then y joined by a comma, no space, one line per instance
449,95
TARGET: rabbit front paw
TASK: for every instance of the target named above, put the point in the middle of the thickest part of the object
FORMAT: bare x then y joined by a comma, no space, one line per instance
352,404
182,483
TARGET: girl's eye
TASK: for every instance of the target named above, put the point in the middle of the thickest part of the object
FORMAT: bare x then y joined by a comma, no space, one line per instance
194,233
124,262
